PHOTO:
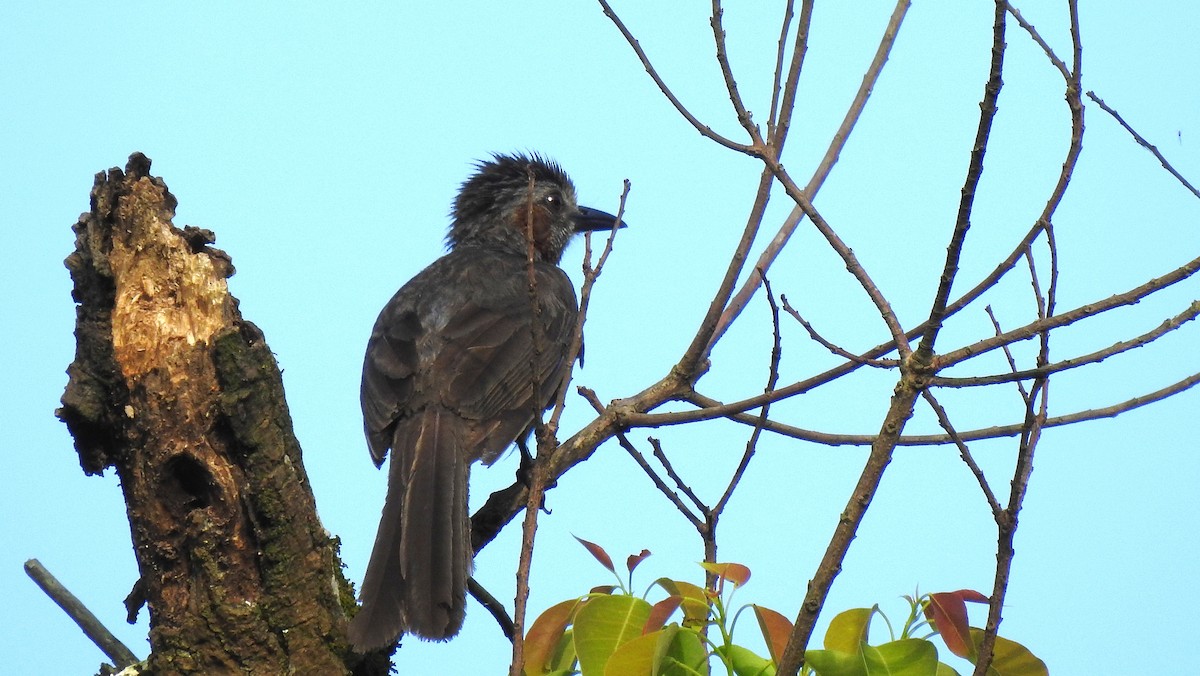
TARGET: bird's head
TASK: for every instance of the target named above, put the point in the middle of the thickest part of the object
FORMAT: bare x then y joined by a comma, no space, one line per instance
513,195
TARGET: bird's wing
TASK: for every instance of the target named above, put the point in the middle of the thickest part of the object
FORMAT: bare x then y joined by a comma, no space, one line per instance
389,370
496,356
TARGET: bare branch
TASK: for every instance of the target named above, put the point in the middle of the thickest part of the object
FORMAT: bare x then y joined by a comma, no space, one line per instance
672,496
656,445
839,351
771,252
704,129
987,113
735,97
1119,347
780,53
1058,63
91,625
1070,317
772,378
1143,142
964,452
1012,363
994,432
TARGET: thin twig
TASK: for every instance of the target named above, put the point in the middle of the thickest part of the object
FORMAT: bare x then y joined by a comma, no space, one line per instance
994,432
839,351
92,627
1119,347
1058,63
493,606
832,153
590,275
704,129
1012,363
843,250
1032,329
962,223
752,442
735,97
662,486
780,53
964,452
1143,142
656,445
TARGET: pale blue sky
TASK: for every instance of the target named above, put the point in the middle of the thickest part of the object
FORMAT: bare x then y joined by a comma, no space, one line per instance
324,145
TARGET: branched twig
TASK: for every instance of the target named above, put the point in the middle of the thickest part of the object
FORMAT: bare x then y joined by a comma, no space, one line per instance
1035,421
1192,311
641,461
1032,329
704,129
994,432
590,275
832,153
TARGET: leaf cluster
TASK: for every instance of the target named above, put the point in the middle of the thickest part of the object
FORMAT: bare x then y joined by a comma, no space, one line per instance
689,632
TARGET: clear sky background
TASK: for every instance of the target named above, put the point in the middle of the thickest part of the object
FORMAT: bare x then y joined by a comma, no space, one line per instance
324,146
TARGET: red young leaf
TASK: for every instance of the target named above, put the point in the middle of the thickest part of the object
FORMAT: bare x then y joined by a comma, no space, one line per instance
603,589
598,553
734,572
775,628
634,559
660,612
972,595
544,635
947,611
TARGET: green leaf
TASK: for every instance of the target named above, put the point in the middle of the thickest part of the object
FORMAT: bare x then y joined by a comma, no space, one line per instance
848,630
835,662
906,657
632,658
746,662
604,623
680,652
1010,658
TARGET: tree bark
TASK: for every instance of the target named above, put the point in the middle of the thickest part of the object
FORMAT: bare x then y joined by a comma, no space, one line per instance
178,394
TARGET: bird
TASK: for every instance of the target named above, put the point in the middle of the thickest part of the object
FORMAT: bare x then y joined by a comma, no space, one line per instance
460,363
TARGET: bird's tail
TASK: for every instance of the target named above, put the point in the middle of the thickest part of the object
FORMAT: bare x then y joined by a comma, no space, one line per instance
417,577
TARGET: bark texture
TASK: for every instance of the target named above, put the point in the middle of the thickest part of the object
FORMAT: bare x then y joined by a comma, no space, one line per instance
178,394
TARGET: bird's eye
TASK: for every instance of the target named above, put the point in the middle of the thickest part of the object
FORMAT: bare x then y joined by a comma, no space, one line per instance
553,201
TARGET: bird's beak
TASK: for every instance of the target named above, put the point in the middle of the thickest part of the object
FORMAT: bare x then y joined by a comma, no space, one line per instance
590,220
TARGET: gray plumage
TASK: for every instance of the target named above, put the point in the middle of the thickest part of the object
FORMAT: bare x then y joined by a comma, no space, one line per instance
458,365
